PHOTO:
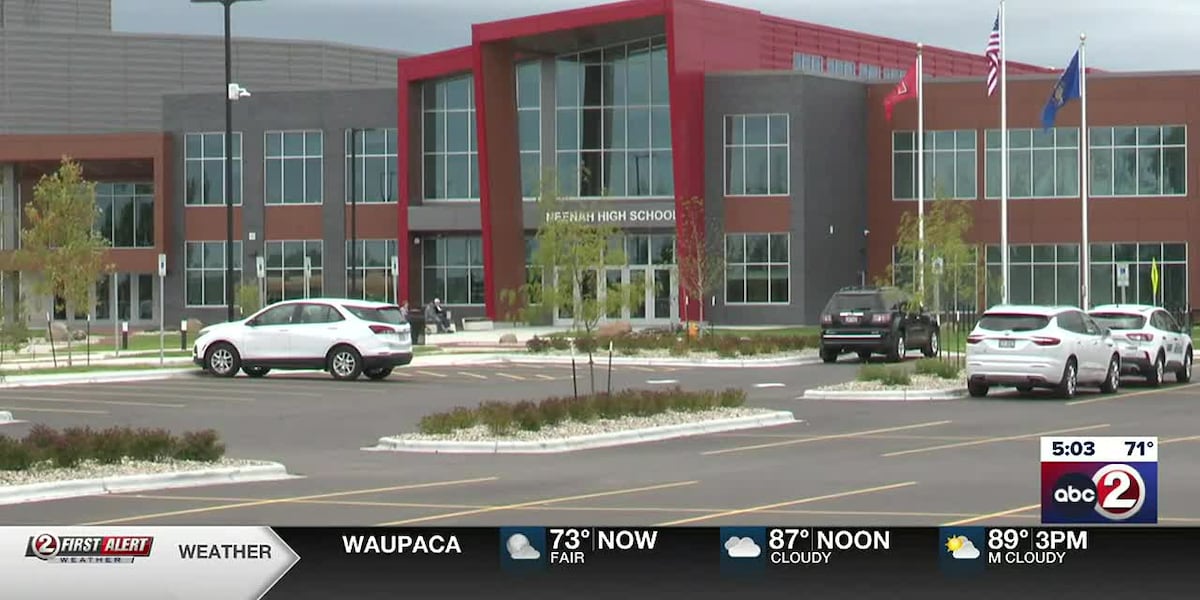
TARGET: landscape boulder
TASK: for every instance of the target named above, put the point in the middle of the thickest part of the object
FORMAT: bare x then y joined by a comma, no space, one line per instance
509,339
614,329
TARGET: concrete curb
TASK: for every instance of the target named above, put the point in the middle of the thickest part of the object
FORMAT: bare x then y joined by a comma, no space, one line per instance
586,442
134,374
491,359
888,395
74,488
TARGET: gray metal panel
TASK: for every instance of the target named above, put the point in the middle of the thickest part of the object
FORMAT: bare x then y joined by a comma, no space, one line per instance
828,184
61,14
88,82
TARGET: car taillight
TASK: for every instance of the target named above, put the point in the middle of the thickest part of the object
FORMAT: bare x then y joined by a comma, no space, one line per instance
974,338
1046,341
382,329
1140,337
827,319
881,319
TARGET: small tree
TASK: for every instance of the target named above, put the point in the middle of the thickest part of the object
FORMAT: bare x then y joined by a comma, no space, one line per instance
701,253
947,223
574,254
249,299
59,239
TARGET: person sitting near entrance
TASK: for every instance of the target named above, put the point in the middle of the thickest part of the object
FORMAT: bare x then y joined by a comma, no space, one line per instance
436,313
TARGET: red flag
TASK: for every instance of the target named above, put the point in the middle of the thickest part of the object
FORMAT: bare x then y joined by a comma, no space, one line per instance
905,90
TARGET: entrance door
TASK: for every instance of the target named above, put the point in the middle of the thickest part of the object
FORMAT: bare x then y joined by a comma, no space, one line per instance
662,295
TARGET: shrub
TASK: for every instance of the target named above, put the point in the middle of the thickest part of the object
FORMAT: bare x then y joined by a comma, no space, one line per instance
151,445
537,345
937,368
527,416
42,438
560,343
587,343
447,422
732,398
497,417
200,446
582,409
896,376
554,411
872,372
112,445
14,455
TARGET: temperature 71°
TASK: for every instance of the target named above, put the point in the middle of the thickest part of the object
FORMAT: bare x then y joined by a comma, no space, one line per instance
1139,447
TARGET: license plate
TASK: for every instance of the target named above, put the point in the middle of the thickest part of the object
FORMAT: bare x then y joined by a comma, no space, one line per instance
1008,343
850,319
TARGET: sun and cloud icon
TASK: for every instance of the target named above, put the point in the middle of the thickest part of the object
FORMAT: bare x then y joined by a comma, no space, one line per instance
961,547
742,547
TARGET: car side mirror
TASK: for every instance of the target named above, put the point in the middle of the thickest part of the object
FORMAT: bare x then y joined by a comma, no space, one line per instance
252,323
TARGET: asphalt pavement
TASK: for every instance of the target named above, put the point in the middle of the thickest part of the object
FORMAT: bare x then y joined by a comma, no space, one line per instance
847,462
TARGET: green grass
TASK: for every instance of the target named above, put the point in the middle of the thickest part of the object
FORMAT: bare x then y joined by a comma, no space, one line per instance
79,368
149,341
419,350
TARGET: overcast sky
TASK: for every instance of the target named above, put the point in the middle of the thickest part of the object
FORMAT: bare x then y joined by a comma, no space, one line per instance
1143,35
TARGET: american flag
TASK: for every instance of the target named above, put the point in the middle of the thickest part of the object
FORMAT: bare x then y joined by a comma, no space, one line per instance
993,57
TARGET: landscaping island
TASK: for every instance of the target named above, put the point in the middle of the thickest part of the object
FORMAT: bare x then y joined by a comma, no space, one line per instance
928,379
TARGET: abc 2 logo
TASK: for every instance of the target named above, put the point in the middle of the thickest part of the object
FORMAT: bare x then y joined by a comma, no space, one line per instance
1095,493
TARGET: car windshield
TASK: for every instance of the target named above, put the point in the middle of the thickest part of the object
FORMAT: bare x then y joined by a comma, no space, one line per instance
391,315
1013,322
855,302
1119,320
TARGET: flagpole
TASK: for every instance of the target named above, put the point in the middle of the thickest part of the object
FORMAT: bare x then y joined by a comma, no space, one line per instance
921,173
1084,145
1003,159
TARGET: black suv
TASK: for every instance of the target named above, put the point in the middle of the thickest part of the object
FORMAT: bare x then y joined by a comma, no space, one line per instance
876,320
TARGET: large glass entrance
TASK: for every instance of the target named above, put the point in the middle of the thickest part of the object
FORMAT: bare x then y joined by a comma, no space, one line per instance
651,273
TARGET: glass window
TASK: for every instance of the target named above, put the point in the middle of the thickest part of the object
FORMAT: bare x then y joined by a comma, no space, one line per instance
757,269
453,269
809,63
1041,164
1170,260
613,122
293,163
949,165
756,155
204,272
449,140
204,168
373,164
293,269
369,274
1139,161
1038,274
126,214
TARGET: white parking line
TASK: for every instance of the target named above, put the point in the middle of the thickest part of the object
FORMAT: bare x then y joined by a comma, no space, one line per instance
769,385
475,375
661,381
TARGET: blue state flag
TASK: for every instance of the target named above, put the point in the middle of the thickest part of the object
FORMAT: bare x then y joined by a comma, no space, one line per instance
1065,89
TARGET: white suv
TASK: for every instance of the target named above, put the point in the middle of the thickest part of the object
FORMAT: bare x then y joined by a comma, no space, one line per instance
347,338
1151,341
1040,346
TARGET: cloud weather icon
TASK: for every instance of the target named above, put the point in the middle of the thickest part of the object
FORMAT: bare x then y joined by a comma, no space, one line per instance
961,547
520,548
742,547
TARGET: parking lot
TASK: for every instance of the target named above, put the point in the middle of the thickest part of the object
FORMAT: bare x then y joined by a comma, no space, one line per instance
847,462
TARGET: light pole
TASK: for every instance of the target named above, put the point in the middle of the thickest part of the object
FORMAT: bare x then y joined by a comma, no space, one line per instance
232,92
353,210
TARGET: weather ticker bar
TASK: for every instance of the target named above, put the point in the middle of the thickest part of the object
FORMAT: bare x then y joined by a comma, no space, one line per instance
533,561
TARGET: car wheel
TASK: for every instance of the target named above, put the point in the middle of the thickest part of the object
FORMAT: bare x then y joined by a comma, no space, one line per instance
255,371
829,355
977,389
1024,389
345,363
1184,374
933,345
896,354
1069,384
1112,382
864,355
378,374
223,360
1154,376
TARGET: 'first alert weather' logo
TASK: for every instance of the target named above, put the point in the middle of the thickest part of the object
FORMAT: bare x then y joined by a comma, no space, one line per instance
89,548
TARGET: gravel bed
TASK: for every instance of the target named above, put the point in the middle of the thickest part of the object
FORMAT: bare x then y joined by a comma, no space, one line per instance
46,473
601,356
568,429
919,382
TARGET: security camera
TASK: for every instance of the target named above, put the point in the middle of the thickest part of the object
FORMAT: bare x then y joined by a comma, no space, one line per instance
237,92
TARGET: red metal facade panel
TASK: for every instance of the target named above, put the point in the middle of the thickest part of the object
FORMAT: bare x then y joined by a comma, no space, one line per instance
565,20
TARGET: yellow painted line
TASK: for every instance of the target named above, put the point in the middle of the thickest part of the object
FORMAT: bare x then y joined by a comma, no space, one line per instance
810,499
1108,398
479,511
884,436
475,375
86,401
546,377
821,438
645,369
432,374
55,410
516,377
1190,438
190,511
995,515
994,440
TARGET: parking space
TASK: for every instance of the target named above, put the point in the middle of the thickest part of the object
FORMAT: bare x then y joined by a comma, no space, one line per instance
888,463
